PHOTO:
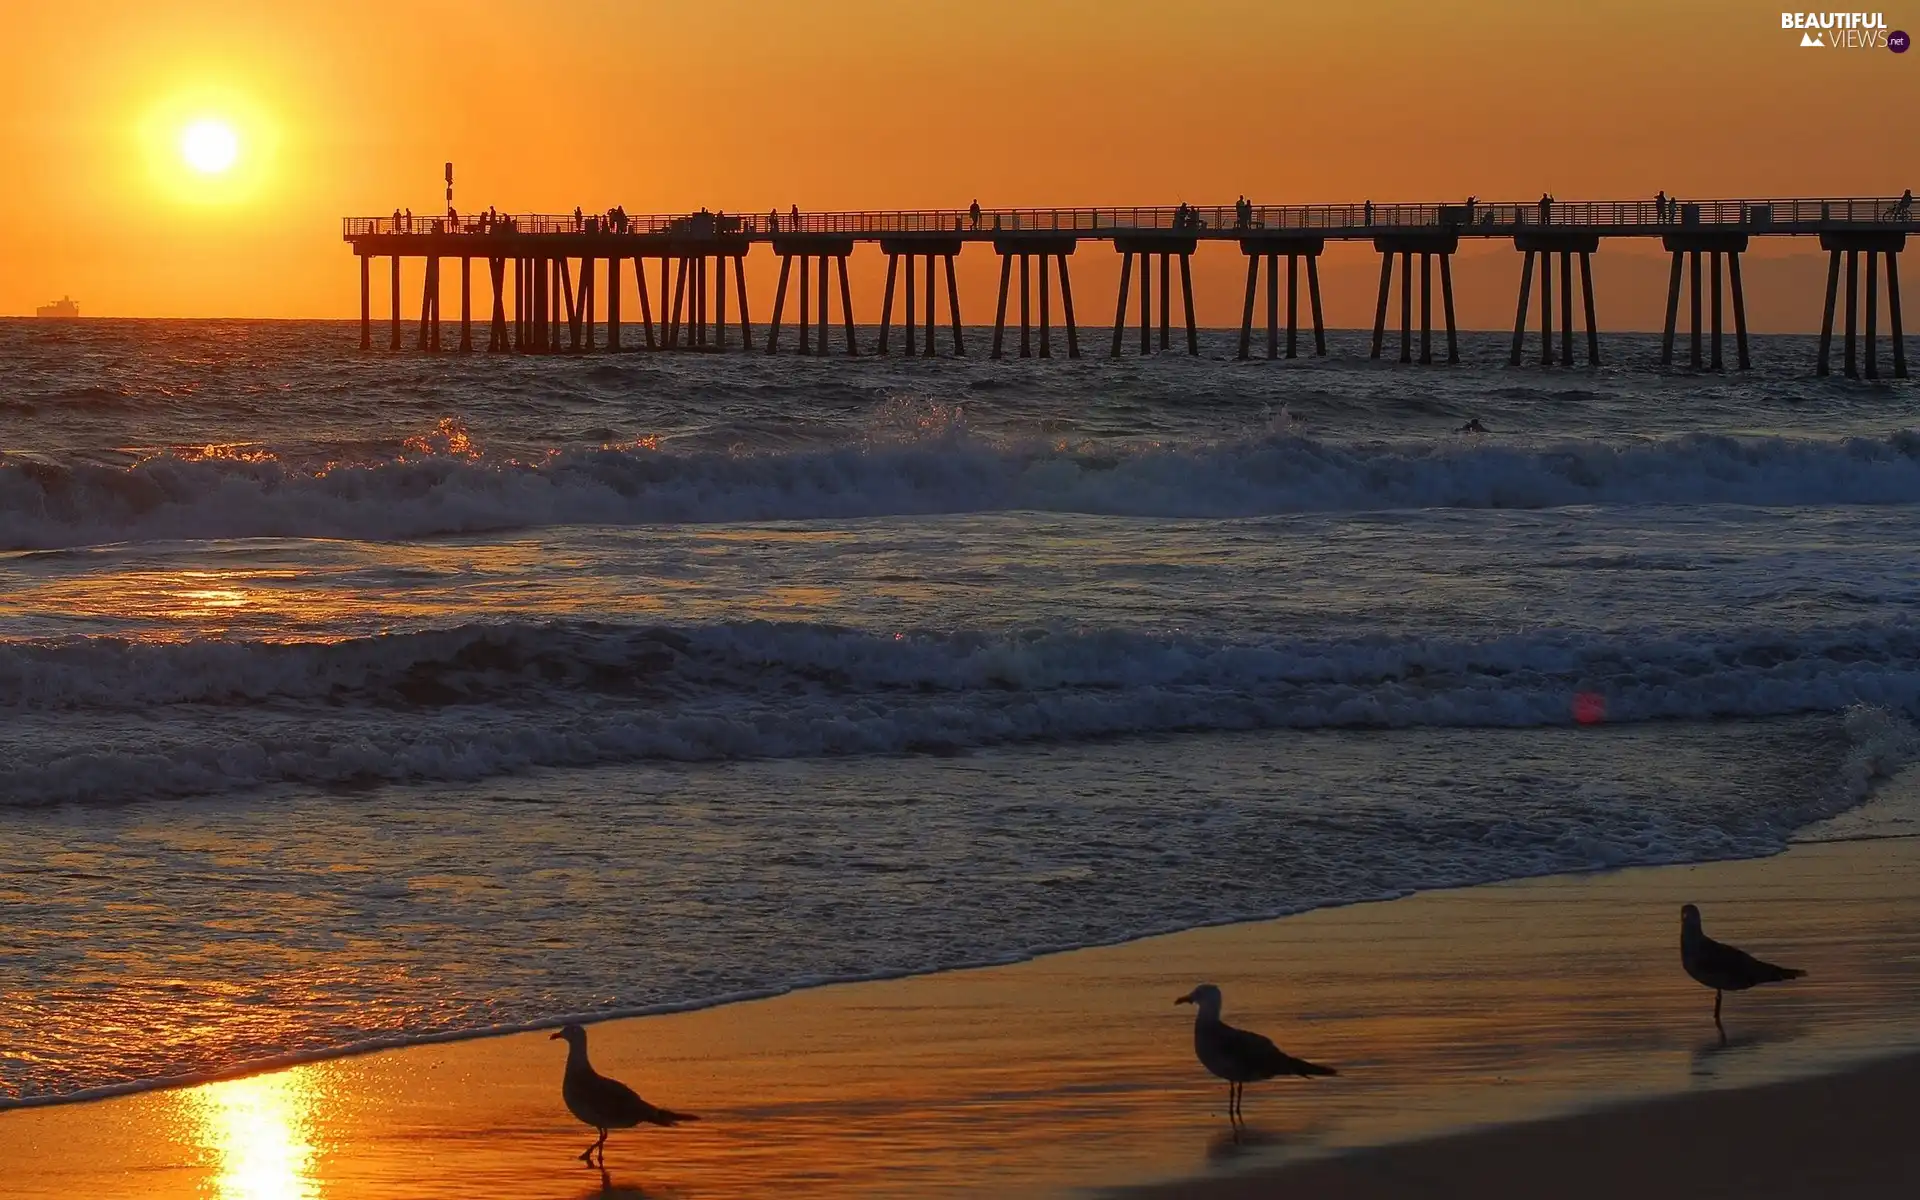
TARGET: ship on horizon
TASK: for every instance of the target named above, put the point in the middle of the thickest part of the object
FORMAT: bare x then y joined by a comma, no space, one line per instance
63,309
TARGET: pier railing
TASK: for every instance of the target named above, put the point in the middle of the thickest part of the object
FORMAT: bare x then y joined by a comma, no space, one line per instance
1468,216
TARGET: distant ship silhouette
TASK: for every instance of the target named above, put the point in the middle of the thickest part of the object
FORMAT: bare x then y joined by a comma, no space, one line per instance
62,308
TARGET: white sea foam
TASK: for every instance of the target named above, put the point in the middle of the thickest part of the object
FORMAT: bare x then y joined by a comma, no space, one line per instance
44,506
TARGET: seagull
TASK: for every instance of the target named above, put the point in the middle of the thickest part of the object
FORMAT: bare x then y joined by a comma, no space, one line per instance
601,1102
1238,1056
1722,967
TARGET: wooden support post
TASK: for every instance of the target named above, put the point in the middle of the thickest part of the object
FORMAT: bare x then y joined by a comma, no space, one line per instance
497,328
436,303
806,307
780,304
719,305
1873,314
588,295
1147,304
1426,308
396,303
746,317
1073,328
1520,317
912,321
1718,360
700,313
1739,311
677,322
824,270
366,302
1166,297
1673,312
932,347
846,307
1380,310
1446,302
1046,307
1246,315
1566,308
1293,306
1893,317
1026,301
519,305
886,303
426,302
1000,310
1593,328
466,304
1826,323
1320,326
1693,269
953,305
1186,299
1546,308
1853,289
1406,305
646,304
1273,306
613,303
665,307
1120,308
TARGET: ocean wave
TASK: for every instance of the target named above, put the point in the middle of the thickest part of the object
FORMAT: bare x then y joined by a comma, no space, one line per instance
106,719
429,491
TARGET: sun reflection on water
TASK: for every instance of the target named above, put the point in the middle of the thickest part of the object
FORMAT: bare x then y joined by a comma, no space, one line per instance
259,1132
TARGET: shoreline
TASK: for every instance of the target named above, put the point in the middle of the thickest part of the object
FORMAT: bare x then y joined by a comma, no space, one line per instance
1445,1011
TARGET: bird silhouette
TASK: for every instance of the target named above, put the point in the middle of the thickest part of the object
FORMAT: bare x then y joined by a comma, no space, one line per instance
1238,1056
1722,967
601,1102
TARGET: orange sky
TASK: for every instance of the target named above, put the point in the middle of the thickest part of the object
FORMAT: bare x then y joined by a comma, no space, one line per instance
661,105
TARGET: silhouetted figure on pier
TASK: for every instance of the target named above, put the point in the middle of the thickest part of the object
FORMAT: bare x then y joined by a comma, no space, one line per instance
1369,212
1903,211
409,220
1470,203
1660,206
794,216
1546,209
973,211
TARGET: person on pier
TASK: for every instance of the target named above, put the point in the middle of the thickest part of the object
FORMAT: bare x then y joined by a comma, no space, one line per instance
1660,206
1546,208
973,211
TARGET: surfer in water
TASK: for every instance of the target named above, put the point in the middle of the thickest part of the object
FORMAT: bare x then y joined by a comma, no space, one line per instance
1473,425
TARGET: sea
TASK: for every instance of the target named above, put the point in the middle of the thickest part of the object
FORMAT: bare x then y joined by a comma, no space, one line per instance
356,699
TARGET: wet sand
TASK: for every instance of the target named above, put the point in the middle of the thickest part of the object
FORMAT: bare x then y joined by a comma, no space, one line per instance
1445,1012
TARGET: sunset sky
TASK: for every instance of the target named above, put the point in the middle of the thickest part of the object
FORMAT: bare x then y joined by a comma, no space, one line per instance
351,107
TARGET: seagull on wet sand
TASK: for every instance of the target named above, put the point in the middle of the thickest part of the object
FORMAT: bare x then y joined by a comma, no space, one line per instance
1722,967
1238,1056
601,1102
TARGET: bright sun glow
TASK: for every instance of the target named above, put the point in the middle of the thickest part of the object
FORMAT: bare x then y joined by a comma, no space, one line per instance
210,147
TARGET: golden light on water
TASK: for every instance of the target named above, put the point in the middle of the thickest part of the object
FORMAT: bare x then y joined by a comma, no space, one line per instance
259,1132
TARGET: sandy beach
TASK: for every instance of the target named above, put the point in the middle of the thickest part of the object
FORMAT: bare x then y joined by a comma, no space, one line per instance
1446,1012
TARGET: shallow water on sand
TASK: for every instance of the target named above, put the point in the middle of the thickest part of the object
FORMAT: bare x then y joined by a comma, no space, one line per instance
350,698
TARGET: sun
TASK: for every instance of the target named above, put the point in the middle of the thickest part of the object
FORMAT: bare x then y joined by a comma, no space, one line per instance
210,146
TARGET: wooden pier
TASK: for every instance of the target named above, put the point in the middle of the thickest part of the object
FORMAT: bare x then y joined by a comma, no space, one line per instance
545,273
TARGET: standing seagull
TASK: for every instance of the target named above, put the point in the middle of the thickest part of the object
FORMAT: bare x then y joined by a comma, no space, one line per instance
1722,967
601,1102
1238,1056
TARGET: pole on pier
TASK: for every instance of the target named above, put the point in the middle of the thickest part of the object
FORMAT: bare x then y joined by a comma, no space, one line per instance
1593,329
1826,323
1673,312
1853,287
912,322
466,305
953,302
1319,325
1147,306
613,303
1000,310
1893,317
1718,361
1426,309
1446,301
1693,268
1873,314
1546,308
666,307
1293,305
1120,308
1046,307
780,305
806,310
589,293
1380,310
497,328
1246,315
1406,305
1739,310
746,317
931,348
825,268
1186,298
366,303
886,303
396,303
1520,316
681,301
1566,308
1026,289
719,303
519,304
846,306
427,290
1166,297
1273,306
646,304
